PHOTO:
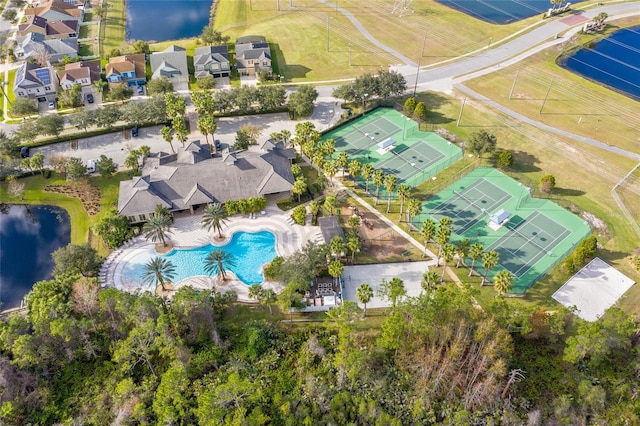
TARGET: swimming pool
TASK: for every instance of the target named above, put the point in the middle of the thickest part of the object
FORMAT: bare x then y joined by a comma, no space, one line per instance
251,251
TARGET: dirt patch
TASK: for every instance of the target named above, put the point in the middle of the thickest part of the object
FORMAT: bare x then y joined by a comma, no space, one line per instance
169,288
88,194
379,240
162,249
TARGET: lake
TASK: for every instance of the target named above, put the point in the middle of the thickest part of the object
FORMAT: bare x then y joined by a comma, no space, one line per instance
166,20
28,236
500,11
613,61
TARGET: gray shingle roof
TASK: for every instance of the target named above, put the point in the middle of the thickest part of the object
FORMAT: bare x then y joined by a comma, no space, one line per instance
182,183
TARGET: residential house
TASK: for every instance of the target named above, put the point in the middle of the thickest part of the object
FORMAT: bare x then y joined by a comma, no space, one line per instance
128,69
192,178
36,82
252,55
172,64
212,60
49,29
56,10
84,73
33,43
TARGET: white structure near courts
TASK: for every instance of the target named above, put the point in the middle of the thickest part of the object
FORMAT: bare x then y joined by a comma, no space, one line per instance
593,289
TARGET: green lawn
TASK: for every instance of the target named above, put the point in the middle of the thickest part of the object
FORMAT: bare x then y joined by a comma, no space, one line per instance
87,49
113,28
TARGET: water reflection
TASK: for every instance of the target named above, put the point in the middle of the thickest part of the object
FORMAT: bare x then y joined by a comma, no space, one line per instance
166,20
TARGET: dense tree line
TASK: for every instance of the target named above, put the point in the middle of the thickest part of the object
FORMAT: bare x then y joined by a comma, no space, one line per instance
368,86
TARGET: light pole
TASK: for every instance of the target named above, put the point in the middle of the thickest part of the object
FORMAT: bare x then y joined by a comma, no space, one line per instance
364,99
424,42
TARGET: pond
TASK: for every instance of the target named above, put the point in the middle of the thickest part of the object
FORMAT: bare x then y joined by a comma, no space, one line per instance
613,61
28,236
500,11
166,20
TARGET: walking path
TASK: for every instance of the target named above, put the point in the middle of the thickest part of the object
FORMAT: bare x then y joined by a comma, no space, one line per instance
188,233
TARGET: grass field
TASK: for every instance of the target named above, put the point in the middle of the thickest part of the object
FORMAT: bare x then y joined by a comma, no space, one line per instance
113,28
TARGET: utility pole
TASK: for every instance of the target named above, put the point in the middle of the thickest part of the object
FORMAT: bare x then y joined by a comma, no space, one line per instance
545,96
464,101
424,42
513,86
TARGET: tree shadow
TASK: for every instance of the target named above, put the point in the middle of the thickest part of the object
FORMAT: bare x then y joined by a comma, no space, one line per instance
524,162
282,68
432,100
438,118
568,192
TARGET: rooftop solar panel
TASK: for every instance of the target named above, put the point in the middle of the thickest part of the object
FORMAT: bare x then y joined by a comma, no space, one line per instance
43,75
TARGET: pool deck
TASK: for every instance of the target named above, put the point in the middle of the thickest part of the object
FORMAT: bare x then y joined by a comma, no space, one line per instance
188,233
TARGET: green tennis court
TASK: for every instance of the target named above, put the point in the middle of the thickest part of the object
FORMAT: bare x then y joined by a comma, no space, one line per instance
391,142
536,235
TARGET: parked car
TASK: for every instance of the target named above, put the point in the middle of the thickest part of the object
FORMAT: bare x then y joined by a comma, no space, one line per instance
90,98
140,90
91,166
134,131
24,152
218,144
52,105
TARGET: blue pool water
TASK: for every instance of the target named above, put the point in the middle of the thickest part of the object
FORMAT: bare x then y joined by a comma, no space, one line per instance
613,61
250,251
166,19
500,11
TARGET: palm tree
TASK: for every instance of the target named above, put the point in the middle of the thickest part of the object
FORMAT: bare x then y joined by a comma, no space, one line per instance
157,228
330,202
503,281
475,252
427,231
489,261
364,294
353,222
462,250
318,160
336,246
403,192
158,270
331,168
390,186
443,234
343,161
354,169
286,136
299,187
217,263
413,209
429,281
448,251
167,135
378,180
367,172
268,297
328,147
255,292
335,269
214,216
207,126
353,244
314,208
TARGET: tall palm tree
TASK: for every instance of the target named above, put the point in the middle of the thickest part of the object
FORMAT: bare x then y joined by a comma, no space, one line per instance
331,168
158,271
448,252
336,246
330,203
314,208
413,209
268,297
364,294
462,250
286,136
475,253
489,261
503,281
157,228
354,244
354,169
255,292
299,187
335,269
429,281
378,180
214,217
443,234
404,191
367,173
167,135
427,231
390,185
217,262
343,161
207,126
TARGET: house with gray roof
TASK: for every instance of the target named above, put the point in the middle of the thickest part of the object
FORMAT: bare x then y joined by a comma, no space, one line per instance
171,63
36,82
252,55
212,60
56,48
192,177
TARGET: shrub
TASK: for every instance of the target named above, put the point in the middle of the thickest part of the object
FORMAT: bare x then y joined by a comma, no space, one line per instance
299,215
